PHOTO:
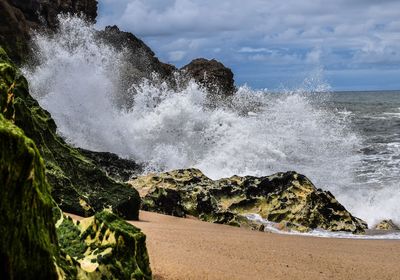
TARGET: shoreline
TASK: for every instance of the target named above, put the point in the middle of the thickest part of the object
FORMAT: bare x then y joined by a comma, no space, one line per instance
186,248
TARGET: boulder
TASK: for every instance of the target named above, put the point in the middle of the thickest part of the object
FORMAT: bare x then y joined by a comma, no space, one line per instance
387,225
103,247
18,17
212,75
288,198
79,186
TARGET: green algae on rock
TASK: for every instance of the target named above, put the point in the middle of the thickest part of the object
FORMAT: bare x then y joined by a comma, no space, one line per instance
105,247
27,230
288,198
101,247
79,186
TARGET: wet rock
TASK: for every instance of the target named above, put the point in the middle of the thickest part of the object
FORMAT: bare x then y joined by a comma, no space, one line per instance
288,198
212,75
387,225
79,186
19,17
103,247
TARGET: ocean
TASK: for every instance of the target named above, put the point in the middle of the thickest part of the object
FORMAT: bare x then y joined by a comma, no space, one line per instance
345,142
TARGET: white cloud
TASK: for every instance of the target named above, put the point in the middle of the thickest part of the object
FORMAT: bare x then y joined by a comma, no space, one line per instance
252,50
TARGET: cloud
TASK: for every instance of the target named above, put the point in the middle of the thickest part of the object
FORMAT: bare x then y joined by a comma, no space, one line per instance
337,34
252,50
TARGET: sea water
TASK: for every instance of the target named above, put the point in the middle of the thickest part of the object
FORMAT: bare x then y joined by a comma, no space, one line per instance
345,142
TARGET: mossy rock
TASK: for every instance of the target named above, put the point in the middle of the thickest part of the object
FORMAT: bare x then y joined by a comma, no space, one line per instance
104,247
288,198
101,247
28,237
79,186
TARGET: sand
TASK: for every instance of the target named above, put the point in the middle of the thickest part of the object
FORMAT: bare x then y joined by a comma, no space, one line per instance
190,249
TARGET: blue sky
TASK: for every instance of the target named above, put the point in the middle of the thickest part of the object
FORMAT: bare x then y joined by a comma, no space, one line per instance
272,44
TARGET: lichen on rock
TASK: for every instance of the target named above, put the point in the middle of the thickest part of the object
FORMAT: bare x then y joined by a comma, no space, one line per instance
288,198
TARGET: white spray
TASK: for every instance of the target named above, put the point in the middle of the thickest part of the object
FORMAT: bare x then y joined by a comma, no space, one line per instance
77,81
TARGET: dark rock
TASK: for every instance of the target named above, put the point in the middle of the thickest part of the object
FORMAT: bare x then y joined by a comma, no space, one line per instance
139,64
115,167
212,75
79,186
18,17
287,198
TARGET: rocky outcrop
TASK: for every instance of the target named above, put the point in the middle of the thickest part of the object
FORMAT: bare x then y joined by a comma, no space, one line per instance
387,225
28,236
139,63
102,247
212,75
18,17
287,198
99,247
79,186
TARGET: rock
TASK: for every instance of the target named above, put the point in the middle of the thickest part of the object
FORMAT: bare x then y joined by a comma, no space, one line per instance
212,75
140,63
288,198
100,247
115,167
27,229
104,247
18,17
387,225
79,186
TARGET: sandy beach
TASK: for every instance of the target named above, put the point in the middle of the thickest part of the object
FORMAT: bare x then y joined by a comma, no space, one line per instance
190,249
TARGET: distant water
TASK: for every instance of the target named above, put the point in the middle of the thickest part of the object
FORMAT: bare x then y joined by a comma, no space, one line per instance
347,143
375,115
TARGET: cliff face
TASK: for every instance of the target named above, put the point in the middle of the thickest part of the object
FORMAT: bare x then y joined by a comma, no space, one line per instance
18,17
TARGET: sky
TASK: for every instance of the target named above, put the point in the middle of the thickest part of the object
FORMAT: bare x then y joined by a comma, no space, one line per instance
272,44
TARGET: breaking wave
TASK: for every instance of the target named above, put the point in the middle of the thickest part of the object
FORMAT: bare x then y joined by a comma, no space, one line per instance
255,133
